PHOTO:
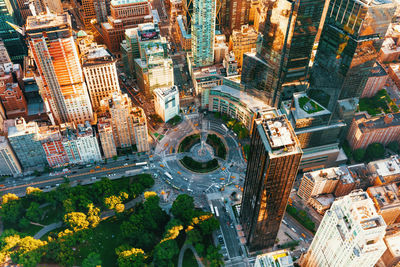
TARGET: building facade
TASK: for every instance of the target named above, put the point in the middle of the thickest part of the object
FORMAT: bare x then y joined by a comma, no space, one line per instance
60,74
104,127
9,164
242,41
11,94
365,130
350,234
100,70
166,102
376,81
350,41
283,55
274,159
203,32
87,144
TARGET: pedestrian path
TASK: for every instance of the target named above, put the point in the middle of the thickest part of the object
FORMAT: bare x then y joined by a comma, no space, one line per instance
182,252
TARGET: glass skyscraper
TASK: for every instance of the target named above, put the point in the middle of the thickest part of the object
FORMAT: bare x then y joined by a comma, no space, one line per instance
284,53
13,41
203,32
352,36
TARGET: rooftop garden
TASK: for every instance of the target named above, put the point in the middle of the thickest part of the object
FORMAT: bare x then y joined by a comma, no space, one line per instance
379,103
309,105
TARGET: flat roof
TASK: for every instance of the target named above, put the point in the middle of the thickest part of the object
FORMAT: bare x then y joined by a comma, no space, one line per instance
166,91
47,20
386,167
385,196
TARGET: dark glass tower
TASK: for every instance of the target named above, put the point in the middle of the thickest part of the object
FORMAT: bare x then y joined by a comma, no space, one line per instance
350,41
13,41
284,53
275,156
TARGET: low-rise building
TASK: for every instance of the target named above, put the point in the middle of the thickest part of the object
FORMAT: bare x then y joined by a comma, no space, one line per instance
394,73
384,171
321,203
280,258
50,137
376,80
166,102
391,257
390,51
9,164
365,130
386,199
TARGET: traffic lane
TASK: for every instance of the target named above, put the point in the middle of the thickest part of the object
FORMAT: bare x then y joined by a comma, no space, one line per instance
298,227
228,231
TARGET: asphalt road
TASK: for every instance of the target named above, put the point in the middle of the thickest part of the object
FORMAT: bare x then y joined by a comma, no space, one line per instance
230,236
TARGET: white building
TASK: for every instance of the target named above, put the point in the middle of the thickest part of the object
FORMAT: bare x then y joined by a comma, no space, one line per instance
350,234
100,70
87,144
166,102
281,258
9,164
106,135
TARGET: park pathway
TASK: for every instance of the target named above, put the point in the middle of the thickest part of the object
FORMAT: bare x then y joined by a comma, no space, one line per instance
104,215
182,252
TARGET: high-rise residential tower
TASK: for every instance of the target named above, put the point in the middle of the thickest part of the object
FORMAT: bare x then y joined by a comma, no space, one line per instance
350,234
350,41
100,70
203,32
275,156
56,56
284,53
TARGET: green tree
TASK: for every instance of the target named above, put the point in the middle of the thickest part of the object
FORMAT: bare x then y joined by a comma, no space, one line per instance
209,225
375,151
11,211
183,208
24,223
193,236
394,146
76,220
214,257
199,248
165,252
131,258
34,212
359,155
92,260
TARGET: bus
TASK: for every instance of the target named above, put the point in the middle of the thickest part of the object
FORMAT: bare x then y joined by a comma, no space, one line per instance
224,127
168,175
141,163
216,211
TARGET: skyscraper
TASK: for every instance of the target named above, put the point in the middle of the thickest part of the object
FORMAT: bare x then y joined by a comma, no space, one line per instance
349,45
284,53
350,234
275,156
56,56
203,32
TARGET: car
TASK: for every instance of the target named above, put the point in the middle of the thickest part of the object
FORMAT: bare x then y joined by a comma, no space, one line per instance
57,185
47,186
126,164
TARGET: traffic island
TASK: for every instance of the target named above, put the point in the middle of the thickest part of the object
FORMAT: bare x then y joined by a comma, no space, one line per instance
188,143
216,143
200,167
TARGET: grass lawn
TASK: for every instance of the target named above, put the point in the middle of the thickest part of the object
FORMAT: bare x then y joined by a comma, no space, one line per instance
188,142
200,167
188,259
309,105
102,242
217,144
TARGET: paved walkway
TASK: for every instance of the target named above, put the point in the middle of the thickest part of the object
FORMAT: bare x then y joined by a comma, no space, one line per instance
182,252
46,229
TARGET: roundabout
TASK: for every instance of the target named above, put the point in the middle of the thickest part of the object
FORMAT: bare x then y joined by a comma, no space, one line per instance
199,156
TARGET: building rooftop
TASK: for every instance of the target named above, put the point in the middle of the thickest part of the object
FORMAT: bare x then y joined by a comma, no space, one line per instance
20,127
279,137
126,2
166,91
324,200
385,196
281,258
305,107
48,20
392,240
97,55
182,28
367,123
334,173
385,167
377,70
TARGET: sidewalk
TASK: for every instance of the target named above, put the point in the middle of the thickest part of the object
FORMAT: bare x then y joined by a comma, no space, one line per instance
182,252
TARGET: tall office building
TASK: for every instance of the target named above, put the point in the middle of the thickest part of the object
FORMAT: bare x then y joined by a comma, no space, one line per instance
4,56
56,56
203,32
349,45
238,14
275,156
93,10
284,53
13,41
350,234
242,41
100,70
